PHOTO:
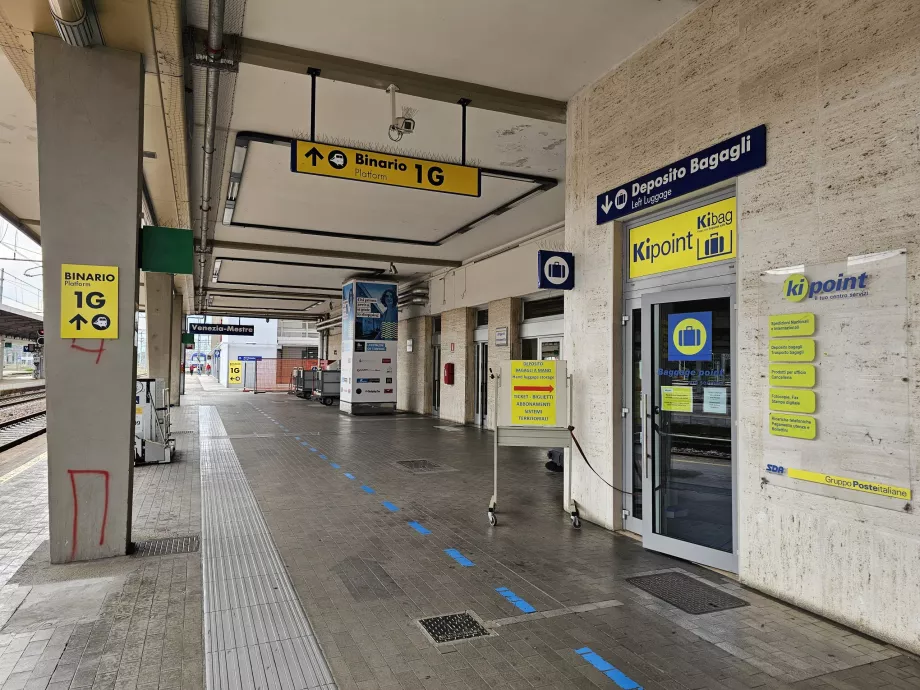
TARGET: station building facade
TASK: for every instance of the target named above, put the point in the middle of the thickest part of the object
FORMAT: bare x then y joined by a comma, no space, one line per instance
782,448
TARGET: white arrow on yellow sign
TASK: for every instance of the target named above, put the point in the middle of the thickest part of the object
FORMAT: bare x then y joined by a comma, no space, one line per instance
383,168
89,301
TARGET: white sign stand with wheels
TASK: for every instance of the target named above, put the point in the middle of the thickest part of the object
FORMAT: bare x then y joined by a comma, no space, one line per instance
534,400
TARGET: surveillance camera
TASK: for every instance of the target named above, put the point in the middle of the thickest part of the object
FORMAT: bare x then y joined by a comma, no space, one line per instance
405,124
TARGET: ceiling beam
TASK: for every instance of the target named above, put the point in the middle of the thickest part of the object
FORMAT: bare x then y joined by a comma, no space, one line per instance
230,292
331,254
297,60
20,225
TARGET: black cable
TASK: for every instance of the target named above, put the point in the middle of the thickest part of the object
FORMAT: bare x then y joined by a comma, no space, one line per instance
588,463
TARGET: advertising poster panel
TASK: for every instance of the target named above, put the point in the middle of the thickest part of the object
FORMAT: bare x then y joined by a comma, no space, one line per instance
370,327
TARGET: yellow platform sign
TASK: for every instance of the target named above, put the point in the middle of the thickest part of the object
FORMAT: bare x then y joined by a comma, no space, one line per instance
533,392
785,325
793,425
677,398
792,350
693,238
383,168
792,400
89,301
799,375
234,372
863,485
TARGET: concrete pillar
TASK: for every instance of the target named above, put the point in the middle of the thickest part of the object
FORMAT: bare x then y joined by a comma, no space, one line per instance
177,350
503,313
159,324
90,126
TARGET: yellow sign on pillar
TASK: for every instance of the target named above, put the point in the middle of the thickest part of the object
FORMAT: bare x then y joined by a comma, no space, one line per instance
312,158
235,369
533,392
89,301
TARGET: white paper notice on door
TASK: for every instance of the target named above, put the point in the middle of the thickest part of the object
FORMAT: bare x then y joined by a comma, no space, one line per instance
715,400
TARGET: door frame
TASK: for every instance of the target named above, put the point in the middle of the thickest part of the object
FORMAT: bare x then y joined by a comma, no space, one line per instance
630,521
657,542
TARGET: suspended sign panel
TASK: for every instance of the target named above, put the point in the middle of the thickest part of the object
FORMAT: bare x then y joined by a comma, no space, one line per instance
89,301
312,158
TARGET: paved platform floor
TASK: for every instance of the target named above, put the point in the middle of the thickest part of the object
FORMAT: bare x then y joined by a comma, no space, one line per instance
320,552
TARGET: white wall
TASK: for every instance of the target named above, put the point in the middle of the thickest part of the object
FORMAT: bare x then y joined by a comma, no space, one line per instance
512,273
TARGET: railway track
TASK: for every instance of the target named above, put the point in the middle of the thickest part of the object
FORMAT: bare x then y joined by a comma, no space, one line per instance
21,429
11,400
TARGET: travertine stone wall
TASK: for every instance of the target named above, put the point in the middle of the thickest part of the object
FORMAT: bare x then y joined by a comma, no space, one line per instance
837,84
414,368
457,327
503,313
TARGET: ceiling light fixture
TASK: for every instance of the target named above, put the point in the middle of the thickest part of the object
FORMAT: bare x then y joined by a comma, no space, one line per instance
217,264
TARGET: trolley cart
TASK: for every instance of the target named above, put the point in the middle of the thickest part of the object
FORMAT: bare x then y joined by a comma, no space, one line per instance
327,386
309,380
525,391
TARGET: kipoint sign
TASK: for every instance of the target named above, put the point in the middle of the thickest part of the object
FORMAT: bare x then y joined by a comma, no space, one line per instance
693,238
797,287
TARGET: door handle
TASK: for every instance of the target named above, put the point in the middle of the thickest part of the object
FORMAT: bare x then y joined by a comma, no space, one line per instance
643,406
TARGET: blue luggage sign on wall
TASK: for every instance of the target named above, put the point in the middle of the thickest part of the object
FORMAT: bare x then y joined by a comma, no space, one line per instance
727,159
690,337
555,270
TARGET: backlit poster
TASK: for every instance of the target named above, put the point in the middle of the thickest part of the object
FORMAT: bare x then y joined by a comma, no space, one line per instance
370,329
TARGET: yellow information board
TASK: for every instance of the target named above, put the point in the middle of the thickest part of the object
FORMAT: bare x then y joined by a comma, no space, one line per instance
799,375
692,238
785,325
792,350
792,400
383,168
793,425
89,301
863,485
677,398
235,372
533,392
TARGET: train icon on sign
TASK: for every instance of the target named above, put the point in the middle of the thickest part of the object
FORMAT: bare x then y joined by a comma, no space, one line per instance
101,322
338,160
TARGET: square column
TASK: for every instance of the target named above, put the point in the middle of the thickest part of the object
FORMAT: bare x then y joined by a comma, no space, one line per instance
90,127
159,305
176,349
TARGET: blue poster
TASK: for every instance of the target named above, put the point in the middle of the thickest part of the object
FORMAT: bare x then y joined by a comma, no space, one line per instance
376,314
690,337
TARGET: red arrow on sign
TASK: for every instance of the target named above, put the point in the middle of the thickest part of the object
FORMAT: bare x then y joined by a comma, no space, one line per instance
542,389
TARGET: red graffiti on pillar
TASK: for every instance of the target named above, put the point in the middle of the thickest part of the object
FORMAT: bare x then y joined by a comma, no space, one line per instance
98,353
105,509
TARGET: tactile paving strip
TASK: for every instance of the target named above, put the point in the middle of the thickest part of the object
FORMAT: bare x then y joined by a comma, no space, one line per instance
686,593
256,634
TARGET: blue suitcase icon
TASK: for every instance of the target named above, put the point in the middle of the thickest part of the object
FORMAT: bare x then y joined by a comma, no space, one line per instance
715,245
557,270
689,337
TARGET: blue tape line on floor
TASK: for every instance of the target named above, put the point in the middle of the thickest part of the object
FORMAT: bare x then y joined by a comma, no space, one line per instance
418,528
608,669
297,438
323,457
392,507
312,450
303,443
459,557
515,599
334,466
367,490
349,475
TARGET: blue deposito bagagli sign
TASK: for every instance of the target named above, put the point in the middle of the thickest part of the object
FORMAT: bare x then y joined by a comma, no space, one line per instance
690,337
555,270
727,159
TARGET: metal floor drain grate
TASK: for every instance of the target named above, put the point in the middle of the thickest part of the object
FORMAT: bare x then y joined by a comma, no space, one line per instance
686,593
168,546
422,466
454,627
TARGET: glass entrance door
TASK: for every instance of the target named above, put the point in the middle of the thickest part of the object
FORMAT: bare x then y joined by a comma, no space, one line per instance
688,495
481,397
